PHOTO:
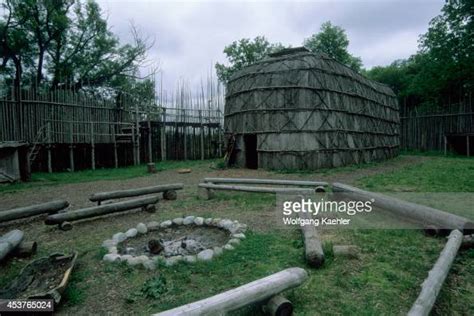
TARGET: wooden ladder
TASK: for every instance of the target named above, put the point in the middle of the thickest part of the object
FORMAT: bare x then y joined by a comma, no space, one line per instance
39,138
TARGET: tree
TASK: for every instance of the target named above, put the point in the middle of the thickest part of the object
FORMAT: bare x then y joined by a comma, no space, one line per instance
66,44
244,52
332,40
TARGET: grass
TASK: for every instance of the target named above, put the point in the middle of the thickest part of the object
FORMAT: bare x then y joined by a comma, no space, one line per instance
58,178
439,174
384,281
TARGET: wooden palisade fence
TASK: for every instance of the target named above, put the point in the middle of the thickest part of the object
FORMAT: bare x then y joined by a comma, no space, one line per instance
68,130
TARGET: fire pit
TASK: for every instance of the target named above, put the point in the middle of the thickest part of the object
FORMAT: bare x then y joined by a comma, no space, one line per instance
182,239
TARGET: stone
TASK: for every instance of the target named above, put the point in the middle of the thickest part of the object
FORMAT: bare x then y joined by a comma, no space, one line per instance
205,255
132,232
199,221
125,257
178,221
113,250
225,223
166,224
229,247
141,228
188,220
234,241
238,228
149,265
217,251
119,237
208,221
109,243
173,260
142,259
190,258
153,225
134,261
239,236
111,257
215,221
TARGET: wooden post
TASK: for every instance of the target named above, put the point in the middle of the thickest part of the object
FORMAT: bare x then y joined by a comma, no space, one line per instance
137,126
48,135
467,146
71,146
219,133
201,134
163,136
134,147
445,145
150,154
114,139
184,136
433,283
92,147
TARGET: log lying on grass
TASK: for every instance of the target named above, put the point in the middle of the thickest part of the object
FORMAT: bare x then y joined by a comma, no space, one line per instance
25,249
103,196
422,214
9,242
432,285
99,210
242,188
254,292
33,210
314,253
266,181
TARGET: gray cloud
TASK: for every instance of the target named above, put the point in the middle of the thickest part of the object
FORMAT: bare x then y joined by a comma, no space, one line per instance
190,35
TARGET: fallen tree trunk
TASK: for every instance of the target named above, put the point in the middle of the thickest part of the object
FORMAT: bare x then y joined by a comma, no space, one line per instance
314,253
266,181
422,214
254,292
33,210
242,188
102,196
99,210
432,285
10,241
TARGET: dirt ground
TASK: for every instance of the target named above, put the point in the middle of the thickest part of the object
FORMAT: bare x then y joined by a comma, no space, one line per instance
87,236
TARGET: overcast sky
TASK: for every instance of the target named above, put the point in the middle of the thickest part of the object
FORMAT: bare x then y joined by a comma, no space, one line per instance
190,35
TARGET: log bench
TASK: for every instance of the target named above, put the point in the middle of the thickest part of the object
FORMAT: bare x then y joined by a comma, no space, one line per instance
206,190
264,291
168,190
63,220
33,210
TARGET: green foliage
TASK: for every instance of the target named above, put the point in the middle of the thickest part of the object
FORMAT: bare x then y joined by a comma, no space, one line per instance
332,40
244,52
154,287
67,44
442,72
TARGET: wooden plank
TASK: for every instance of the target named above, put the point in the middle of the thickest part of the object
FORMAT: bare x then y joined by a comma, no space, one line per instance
254,292
432,284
